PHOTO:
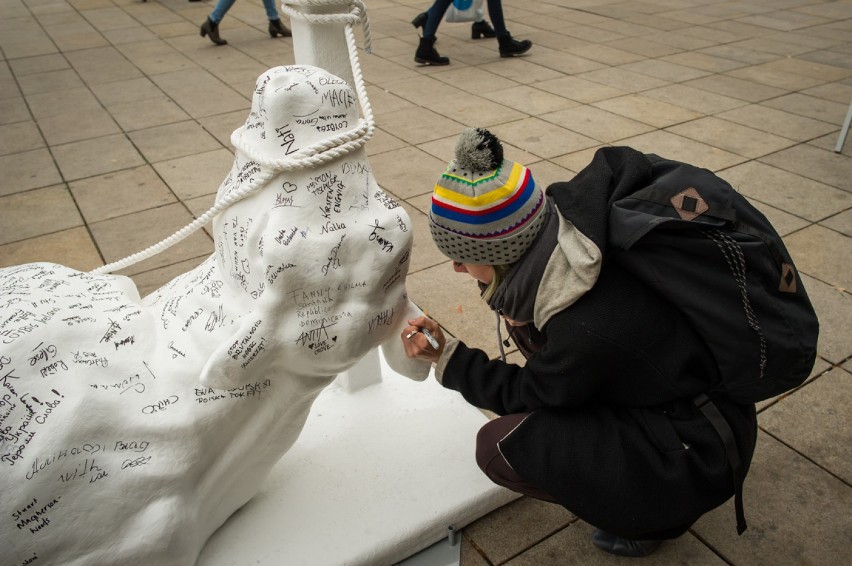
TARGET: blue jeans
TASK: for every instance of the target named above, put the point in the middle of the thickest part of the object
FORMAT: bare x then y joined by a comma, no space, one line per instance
439,8
222,7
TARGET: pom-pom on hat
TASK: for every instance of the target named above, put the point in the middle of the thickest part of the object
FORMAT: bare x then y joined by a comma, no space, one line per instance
485,209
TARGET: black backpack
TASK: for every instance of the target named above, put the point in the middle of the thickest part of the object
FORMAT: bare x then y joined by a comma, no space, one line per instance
701,244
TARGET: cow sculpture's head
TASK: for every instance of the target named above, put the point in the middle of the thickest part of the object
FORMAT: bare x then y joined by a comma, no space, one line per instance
318,253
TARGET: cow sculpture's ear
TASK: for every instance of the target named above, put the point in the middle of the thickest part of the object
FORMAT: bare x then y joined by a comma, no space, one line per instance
241,358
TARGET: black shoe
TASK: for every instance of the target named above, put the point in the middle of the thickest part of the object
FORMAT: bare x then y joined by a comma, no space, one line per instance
212,29
510,47
621,546
482,29
427,55
420,20
277,28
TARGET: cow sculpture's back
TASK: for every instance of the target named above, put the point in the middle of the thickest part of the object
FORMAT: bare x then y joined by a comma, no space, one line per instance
130,429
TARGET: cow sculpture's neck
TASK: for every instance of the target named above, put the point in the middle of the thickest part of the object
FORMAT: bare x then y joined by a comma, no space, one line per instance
130,429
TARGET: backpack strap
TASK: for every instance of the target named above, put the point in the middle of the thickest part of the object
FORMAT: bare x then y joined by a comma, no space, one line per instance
711,411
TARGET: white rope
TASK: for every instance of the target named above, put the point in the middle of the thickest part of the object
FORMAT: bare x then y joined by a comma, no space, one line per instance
309,157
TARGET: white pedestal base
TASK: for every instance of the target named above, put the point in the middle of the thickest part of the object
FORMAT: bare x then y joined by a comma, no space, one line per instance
376,476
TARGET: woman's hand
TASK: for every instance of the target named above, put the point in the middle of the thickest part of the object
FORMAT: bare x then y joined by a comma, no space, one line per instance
417,345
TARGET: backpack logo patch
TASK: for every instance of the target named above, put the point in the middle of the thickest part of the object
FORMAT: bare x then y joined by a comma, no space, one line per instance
788,278
689,204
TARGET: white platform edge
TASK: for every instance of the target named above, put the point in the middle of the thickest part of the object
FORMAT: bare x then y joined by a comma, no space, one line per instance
376,476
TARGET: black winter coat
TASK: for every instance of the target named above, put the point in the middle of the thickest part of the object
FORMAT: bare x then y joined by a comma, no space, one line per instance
613,433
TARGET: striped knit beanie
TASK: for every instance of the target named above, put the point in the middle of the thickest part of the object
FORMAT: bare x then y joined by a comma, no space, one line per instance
485,209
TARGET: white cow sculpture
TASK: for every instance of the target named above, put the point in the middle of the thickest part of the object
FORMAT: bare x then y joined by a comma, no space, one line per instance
131,429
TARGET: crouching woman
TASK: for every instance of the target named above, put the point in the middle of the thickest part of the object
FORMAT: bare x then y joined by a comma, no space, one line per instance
601,418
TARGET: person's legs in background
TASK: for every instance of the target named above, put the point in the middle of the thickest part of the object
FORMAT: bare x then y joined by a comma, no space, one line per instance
508,47
211,26
276,28
220,9
426,53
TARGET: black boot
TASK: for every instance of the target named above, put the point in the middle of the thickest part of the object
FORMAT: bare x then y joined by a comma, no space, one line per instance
277,28
481,29
212,29
427,55
420,20
621,546
510,47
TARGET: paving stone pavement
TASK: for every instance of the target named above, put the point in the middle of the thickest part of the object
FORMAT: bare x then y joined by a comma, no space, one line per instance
115,119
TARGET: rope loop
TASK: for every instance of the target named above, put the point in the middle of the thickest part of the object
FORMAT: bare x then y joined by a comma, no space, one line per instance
312,156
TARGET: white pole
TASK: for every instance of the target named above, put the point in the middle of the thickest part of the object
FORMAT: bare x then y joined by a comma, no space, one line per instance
322,43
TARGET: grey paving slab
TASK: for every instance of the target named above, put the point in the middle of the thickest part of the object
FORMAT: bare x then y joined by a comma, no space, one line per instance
597,124
20,136
833,306
815,251
648,110
841,222
458,307
173,140
102,65
147,113
196,175
673,146
424,254
73,248
694,99
783,222
824,166
95,156
117,194
829,111
542,138
732,137
126,92
785,190
155,57
199,93
703,61
383,142
548,64
522,70
665,70
46,104
70,126
221,126
35,213
797,512
624,79
530,100
38,64
50,81
573,545
516,527
475,80
815,421
786,124
407,172
13,110
27,170
736,87
122,236
580,90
